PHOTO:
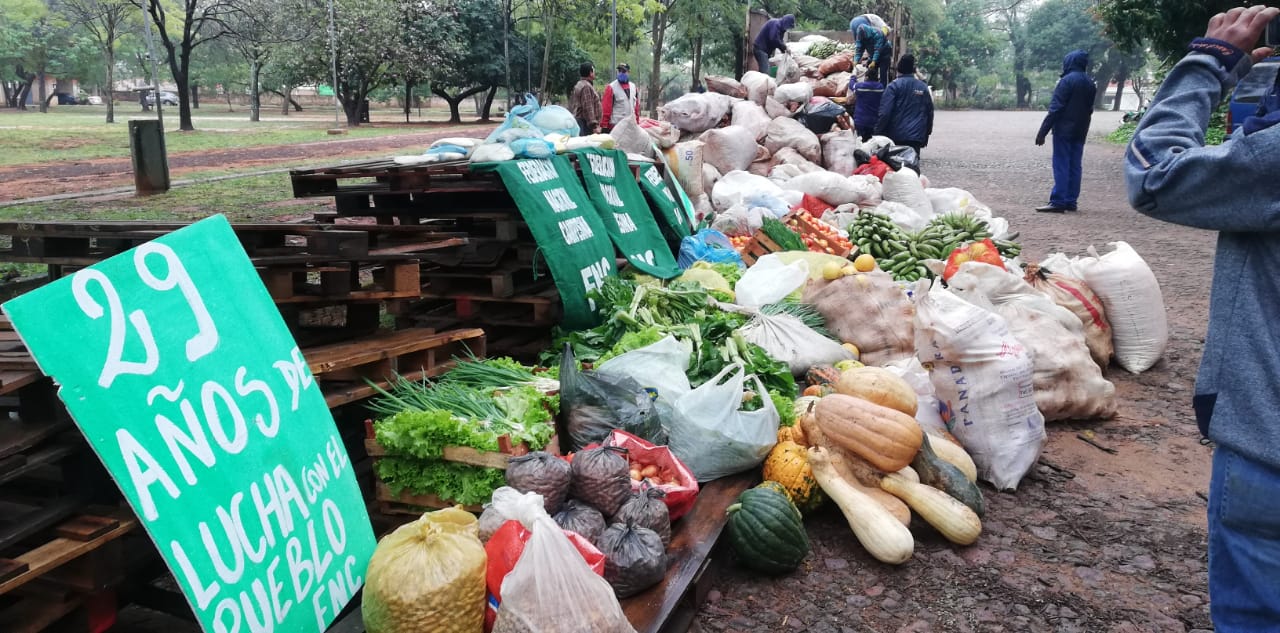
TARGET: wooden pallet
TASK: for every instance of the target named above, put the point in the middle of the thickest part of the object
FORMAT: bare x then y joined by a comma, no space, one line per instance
85,532
486,252
342,281
541,309
386,177
502,283
467,455
411,504
343,368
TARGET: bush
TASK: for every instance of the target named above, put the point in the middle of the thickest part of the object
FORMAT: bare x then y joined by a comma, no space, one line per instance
1215,135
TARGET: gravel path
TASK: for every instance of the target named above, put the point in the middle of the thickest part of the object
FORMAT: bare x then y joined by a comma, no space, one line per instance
1095,542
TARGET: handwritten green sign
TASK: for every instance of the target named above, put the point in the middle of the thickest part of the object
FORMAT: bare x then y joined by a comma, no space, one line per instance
177,367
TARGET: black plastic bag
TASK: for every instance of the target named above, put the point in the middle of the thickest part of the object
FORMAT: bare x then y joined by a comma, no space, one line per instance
647,509
820,115
861,157
543,473
595,405
577,516
602,478
634,558
899,156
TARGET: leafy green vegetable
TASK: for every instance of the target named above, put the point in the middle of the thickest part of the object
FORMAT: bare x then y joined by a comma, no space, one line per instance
424,434
460,483
807,314
527,416
731,272
786,408
785,238
632,341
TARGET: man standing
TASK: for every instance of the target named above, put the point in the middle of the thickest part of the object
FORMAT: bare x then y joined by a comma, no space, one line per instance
1069,114
867,94
1229,188
585,104
872,40
906,109
620,98
772,37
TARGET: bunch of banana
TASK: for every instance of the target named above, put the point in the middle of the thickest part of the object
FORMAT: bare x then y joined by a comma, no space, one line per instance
951,231
904,266
878,235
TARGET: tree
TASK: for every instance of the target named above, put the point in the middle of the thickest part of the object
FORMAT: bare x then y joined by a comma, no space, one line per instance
201,21
1168,25
369,42
259,27
107,21
961,44
1010,14
1062,26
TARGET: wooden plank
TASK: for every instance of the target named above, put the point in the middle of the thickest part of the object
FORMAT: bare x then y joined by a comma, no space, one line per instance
17,436
471,456
692,539
60,550
18,465
336,396
33,522
396,504
33,614
330,358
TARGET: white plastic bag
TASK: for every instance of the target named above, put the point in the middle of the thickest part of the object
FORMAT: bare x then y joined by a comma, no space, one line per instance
787,132
983,377
759,86
551,589
789,340
659,367
731,187
554,118
769,280
788,69
837,151
830,187
904,216
712,436
904,186
697,112
953,200
752,116
868,190
800,92
913,373
492,152
731,148
1135,306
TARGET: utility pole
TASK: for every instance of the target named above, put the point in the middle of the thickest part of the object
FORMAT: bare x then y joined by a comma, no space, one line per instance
506,47
155,69
614,48
333,60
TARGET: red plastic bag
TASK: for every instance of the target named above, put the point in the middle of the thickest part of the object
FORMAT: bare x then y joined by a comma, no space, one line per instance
875,167
682,493
983,251
814,206
504,549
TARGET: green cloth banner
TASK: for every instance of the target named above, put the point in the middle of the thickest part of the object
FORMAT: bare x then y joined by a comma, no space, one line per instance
625,213
175,363
675,225
569,233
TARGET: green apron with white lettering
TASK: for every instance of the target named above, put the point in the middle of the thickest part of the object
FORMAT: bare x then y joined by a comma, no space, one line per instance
626,216
666,210
563,221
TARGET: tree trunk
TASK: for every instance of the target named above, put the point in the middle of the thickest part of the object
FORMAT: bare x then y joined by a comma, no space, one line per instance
255,95
488,104
655,79
548,26
195,96
40,94
284,100
111,82
739,57
1122,76
408,99
697,63
456,101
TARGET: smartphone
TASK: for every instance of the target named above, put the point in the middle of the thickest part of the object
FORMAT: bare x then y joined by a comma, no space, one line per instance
1273,32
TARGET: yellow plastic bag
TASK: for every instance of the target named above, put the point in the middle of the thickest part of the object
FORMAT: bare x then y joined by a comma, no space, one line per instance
427,577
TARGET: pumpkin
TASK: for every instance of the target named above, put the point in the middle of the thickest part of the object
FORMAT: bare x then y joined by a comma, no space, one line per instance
788,465
773,485
878,385
766,531
822,375
941,474
888,439
792,433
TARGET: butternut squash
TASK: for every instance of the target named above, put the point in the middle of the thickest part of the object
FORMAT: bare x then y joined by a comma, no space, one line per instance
953,520
887,438
859,474
878,385
883,536
944,476
951,452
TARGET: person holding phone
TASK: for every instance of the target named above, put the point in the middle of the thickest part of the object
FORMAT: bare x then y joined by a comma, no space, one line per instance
1229,188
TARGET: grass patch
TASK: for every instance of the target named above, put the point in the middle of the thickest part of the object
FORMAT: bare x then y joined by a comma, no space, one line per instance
1123,134
80,134
1215,135
249,199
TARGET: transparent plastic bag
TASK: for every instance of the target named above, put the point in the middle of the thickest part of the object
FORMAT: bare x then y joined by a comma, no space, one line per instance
707,245
713,436
770,280
595,404
659,368
552,588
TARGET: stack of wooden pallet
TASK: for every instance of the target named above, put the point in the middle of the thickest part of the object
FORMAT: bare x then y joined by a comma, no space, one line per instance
61,525
497,281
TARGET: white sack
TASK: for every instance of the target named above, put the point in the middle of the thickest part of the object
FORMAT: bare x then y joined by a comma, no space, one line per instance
774,108
789,156
868,190
730,188
697,112
630,138
751,116
801,92
685,160
731,148
904,186
837,151
789,340
786,132
831,188
1135,307
759,86
710,176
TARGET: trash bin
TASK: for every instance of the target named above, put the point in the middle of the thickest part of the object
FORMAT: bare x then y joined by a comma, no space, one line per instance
150,161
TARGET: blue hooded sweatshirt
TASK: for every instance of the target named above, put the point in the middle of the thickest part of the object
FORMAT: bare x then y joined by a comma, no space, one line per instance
870,39
771,34
1072,106
1229,188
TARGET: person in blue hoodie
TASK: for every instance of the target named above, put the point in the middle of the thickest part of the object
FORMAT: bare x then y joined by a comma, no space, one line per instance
867,93
906,108
871,37
1070,111
1229,188
772,37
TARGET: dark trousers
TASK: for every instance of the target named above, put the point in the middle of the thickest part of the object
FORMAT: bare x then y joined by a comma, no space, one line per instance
886,60
1067,158
762,58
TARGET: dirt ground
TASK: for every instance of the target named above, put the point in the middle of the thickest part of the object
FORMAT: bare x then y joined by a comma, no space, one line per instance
1091,541
31,181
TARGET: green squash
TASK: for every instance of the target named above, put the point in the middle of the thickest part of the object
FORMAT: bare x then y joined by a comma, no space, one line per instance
766,531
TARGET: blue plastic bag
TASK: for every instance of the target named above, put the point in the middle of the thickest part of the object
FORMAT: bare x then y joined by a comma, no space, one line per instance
518,124
532,148
707,245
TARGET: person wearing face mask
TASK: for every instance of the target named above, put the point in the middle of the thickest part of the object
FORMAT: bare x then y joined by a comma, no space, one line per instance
620,97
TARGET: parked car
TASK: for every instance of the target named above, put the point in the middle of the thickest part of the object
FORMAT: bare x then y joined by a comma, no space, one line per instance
66,99
1250,91
166,98
94,100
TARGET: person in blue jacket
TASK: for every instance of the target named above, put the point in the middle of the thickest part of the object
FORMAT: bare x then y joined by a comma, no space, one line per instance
1229,188
906,108
867,94
772,37
1070,111
872,40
